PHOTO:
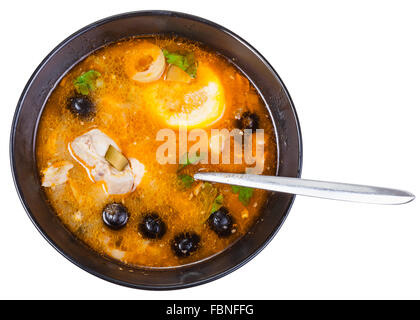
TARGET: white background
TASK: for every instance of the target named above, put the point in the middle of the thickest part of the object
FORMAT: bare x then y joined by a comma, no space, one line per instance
353,71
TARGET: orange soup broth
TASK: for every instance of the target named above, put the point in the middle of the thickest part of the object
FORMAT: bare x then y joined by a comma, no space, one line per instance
123,114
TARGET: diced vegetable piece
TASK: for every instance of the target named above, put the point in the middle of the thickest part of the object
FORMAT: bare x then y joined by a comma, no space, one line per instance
116,158
177,74
207,195
217,203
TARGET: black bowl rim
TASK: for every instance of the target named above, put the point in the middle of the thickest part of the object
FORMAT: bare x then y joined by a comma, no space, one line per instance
139,14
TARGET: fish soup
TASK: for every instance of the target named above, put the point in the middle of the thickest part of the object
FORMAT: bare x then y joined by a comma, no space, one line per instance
101,151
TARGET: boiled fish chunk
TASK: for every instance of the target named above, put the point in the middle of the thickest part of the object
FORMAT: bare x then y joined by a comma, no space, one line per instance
91,148
56,174
119,182
138,171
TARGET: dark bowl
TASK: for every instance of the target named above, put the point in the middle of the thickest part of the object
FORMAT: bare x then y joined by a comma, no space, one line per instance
81,44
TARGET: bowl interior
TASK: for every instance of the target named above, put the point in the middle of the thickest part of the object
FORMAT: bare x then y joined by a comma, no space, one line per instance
112,29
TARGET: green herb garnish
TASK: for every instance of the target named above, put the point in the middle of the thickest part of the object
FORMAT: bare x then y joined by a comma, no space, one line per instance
217,203
185,160
245,194
186,62
86,82
186,180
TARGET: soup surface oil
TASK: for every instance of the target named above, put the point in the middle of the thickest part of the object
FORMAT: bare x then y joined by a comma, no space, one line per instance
130,113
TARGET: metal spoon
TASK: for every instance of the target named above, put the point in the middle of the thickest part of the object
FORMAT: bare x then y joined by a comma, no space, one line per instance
311,188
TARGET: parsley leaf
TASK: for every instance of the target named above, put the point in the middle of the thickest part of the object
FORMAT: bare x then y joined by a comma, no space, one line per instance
217,203
86,82
245,193
186,62
185,160
186,180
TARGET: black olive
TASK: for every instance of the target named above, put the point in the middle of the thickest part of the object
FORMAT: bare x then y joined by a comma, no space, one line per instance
221,222
185,243
81,106
248,120
152,226
115,215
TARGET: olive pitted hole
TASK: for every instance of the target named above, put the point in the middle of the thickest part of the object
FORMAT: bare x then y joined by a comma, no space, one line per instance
81,106
152,226
115,215
221,222
248,120
185,243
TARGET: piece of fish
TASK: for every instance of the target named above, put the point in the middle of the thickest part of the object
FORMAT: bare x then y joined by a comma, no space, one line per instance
56,174
91,148
138,171
119,182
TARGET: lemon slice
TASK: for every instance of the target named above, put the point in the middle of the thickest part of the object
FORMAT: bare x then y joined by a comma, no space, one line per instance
145,62
198,104
202,108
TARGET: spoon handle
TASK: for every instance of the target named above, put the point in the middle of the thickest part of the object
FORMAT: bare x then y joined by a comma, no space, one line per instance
311,188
